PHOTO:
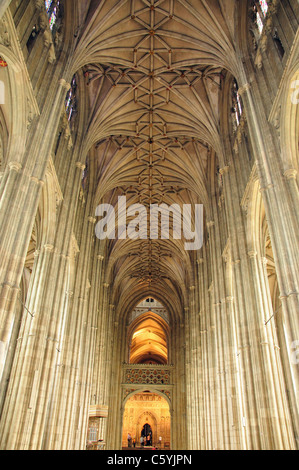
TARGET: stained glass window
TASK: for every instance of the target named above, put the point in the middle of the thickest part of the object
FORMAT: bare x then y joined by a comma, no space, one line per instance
3,62
237,109
260,23
52,7
71,101
260,8
264,6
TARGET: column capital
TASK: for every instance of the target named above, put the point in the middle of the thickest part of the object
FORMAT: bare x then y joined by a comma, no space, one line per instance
267,188
80,166
64,84
290,174
224,170
15,166
243,89
49,248
252,254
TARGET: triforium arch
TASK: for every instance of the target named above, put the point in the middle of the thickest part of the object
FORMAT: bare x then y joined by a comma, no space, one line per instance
156,101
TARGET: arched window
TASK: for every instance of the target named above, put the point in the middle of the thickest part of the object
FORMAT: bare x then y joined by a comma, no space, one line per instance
237,107
260,10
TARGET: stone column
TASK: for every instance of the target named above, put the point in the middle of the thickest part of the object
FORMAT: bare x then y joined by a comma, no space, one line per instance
203,384
90,354
271,411
194,347
247,417
87,342
189,372
75,352
217,420
282,220
98,348
20,192
276,420
115,393
29,398
178,398
22,394
105,364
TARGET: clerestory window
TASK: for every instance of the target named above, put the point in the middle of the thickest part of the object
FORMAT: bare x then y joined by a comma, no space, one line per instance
260,9
237,106
71,100
52,7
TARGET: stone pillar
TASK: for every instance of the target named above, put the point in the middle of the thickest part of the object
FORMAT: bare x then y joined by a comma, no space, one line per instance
194,367
189,388
280,196
276,421
105,364
76,349
244,388
39,346
203,384
20,191
115,393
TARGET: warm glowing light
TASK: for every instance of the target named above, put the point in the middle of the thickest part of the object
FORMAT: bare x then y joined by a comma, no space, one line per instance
149,341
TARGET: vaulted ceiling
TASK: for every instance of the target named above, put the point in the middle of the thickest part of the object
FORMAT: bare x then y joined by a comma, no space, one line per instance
154,70
149,341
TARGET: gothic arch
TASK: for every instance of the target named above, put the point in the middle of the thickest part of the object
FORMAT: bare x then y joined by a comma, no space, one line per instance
147,388
151,420
149,316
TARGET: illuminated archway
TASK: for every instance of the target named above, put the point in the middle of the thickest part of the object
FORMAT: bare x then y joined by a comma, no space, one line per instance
147,410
